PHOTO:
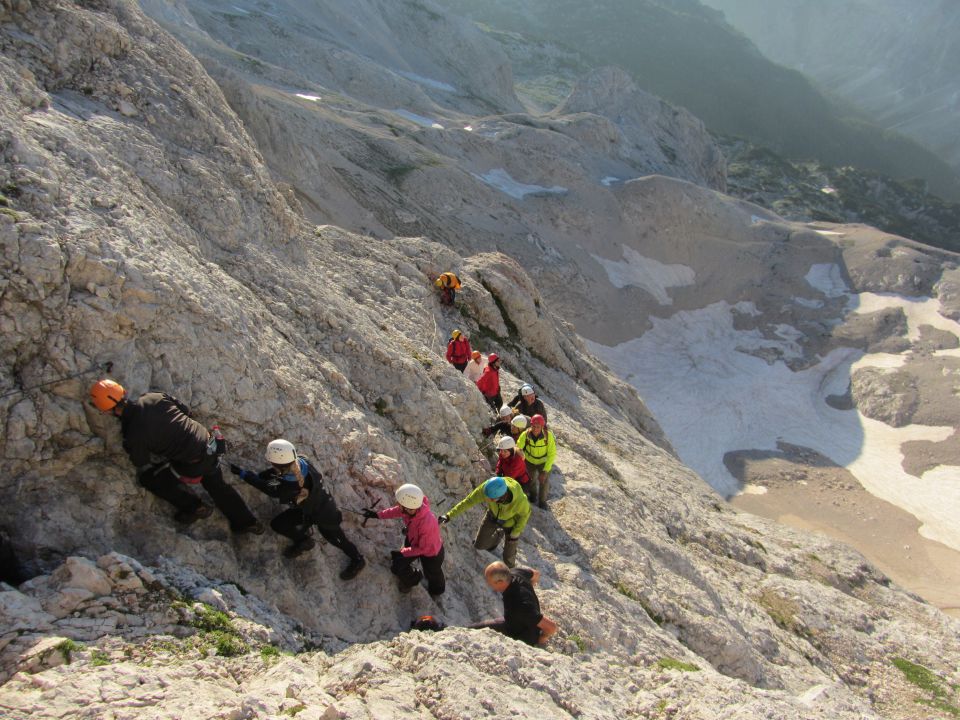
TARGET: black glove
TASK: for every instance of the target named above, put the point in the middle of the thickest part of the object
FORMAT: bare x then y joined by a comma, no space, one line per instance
443,519
370,514
236,469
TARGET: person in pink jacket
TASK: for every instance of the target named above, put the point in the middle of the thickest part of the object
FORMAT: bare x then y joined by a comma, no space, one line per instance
422,541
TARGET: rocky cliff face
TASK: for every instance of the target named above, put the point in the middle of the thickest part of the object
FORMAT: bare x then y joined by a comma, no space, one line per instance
896,60
142,226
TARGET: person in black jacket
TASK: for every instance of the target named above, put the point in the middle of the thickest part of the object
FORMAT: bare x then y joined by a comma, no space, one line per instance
295,482
522,619
171,451
526,402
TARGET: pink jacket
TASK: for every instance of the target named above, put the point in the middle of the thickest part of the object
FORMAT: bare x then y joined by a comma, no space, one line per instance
423,530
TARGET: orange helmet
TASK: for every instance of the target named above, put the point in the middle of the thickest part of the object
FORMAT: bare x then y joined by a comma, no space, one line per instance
106,395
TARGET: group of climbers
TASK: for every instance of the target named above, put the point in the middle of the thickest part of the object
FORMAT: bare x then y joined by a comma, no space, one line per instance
171,451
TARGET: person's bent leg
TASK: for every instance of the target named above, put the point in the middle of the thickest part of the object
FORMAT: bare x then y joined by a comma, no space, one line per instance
488,534
408,576
226,497
334,535
510,551
165,483
292,524
433,571
544,489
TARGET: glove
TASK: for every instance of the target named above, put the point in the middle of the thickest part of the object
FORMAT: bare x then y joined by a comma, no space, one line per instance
236,469
443,519
370,514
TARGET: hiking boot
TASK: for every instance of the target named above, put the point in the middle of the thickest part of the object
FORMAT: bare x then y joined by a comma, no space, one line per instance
299,548
543,504
254,528
353,569
189,516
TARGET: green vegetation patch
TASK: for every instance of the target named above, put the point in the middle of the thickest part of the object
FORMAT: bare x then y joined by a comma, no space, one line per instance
67,648
98,658
626,591
928,681
669,663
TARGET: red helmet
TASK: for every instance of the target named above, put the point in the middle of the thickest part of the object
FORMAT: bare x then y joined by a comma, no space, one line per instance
538,421
492,358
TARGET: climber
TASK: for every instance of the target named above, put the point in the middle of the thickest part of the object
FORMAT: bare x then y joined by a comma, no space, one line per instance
474,368
522,619
540,450
502,426
489,382
527,403
458,350
421,542
171,450
295,482
448,283
506,516
518,425
511,464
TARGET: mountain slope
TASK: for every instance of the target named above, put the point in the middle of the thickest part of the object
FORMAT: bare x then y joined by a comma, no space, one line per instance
896,60
145,228
686,53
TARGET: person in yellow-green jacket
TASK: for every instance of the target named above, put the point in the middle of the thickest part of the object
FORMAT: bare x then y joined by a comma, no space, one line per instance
539,449
506,517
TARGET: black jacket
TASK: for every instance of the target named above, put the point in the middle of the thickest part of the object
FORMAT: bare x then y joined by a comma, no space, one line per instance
157,424
534,408
319,506
521,608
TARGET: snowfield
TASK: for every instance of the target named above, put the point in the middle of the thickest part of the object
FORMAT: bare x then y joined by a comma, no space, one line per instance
711,396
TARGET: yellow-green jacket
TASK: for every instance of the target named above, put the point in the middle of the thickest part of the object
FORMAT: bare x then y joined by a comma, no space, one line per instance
511,516
538,451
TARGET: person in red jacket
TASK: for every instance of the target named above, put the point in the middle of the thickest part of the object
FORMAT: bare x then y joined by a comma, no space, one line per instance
489,382
458,350
510,463
422,541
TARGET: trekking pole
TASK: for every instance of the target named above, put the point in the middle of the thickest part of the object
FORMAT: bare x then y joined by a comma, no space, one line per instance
106,368
360,512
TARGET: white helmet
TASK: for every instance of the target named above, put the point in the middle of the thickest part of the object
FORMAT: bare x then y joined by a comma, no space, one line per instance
409,496
527,390
506,411
520,421
281,452
506,443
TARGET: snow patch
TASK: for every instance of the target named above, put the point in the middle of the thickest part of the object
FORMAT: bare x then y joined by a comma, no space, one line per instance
501,180
828,279
828,233
753,490
312,98
427,82
610,180
418,119
711,397
647,273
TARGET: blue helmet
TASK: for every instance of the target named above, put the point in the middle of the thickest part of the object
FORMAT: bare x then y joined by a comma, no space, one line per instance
495,487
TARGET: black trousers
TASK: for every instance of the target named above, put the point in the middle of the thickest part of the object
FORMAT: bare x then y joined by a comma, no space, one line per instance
459,366
408,574
496,402
294,524
164,482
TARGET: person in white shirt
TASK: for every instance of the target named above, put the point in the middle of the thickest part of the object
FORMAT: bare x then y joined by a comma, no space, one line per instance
474,368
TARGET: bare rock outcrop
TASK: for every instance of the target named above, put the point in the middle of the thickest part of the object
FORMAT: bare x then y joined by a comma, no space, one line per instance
654,136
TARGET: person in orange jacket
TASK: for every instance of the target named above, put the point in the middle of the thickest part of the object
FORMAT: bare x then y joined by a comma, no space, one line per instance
448,283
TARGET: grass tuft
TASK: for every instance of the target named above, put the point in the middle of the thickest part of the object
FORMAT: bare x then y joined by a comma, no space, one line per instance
669,663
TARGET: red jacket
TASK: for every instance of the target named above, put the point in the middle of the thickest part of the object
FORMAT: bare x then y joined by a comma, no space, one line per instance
513,467
423,530
458,351
489,382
